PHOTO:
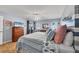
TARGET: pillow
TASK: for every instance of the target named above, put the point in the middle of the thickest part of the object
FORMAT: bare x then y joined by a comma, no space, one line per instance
50,35
60,34
48,31
68,41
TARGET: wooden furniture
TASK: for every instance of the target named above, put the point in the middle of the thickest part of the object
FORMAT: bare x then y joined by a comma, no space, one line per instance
43,30
16,33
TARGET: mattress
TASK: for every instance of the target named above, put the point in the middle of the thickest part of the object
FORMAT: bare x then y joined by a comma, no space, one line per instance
32,42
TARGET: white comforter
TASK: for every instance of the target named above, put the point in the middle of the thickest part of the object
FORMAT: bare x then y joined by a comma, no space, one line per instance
34,40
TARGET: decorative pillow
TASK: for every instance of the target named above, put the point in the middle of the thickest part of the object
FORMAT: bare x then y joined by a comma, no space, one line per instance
68,41
60,34
48,31
50,35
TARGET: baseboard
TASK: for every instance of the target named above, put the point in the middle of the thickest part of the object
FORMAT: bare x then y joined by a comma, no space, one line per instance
7,41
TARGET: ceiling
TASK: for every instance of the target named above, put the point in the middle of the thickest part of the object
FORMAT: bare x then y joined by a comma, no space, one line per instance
38,11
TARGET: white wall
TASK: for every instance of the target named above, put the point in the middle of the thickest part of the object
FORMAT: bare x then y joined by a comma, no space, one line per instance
7,34
1,23
5,31
1,29
39,23
1,37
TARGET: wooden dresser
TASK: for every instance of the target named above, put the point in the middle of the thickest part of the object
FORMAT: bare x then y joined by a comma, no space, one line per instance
16,33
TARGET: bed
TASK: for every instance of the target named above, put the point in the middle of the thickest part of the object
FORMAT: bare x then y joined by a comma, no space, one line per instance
37,43
31,43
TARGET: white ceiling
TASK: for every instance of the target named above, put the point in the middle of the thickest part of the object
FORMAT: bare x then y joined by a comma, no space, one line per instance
43,11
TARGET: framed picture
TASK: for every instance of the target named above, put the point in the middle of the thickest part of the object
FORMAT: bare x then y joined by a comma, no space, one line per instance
44,26
7,23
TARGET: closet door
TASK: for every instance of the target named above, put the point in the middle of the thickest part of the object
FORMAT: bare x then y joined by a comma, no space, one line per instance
27,27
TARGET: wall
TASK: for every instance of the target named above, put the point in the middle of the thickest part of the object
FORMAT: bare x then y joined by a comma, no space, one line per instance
49,22
7,31
1,29
6,36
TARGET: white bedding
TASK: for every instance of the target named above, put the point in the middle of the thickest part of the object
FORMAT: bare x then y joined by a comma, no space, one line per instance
35,41
37,36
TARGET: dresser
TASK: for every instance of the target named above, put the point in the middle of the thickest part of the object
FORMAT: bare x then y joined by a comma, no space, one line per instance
17,32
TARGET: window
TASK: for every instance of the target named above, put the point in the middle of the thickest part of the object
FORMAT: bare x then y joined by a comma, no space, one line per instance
68,21
18,24
77,9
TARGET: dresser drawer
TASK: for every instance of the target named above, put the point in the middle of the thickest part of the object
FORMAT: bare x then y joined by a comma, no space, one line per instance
17,32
